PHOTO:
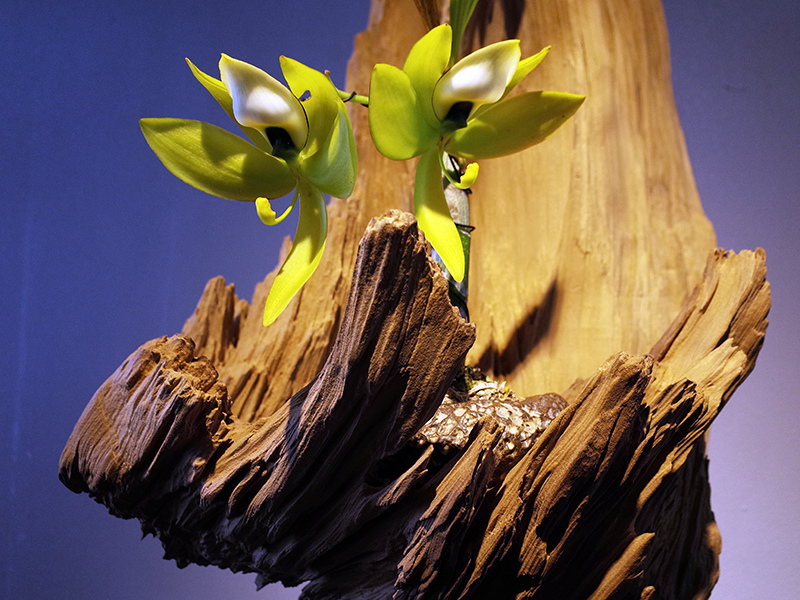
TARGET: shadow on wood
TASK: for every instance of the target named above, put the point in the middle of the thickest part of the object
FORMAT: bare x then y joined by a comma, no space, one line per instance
330,488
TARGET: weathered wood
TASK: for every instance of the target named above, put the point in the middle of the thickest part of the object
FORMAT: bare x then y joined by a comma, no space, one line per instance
331,487
285,450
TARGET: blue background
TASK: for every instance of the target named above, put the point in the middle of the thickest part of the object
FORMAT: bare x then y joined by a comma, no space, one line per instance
102,249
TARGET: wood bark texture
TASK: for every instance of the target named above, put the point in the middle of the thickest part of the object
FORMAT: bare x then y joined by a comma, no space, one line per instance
333,488
292,451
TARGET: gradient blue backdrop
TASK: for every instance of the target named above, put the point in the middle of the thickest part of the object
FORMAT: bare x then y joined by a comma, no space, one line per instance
102,250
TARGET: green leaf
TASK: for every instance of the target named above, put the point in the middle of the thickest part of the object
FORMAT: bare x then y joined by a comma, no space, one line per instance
216,161
220,93
398,129
513,124
460,13
433,215
424,66
303,258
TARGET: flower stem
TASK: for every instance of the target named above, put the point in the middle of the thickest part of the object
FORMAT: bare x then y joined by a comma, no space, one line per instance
353,97
458,203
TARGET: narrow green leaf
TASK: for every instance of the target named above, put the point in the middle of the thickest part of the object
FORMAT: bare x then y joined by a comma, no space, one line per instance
220,93
513,124
398,129
216,161
460,13
303,258
425,65
433,215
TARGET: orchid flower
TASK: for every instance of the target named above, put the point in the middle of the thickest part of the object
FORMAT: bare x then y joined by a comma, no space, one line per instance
435,109
305,145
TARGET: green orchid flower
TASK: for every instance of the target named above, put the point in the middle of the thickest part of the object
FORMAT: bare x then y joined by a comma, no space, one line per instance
445,113
295,143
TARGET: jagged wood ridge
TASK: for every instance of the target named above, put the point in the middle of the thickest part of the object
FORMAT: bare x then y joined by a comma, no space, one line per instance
326,488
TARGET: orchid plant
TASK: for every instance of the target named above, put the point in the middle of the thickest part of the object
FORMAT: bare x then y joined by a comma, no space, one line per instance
442,111
446,111
296,143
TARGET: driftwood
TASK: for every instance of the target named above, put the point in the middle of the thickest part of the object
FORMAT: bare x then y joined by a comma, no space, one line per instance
333,488
299,451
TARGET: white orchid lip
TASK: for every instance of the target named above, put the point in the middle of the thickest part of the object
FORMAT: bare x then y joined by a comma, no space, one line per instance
479,78
262,102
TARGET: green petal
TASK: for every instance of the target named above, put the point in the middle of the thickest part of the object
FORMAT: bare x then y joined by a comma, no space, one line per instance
398,129
329,159
216,161
221,95
433,215
333,169
303,258
424,66
513,124
320,106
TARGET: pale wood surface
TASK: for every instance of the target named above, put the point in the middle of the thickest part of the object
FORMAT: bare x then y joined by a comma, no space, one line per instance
585,245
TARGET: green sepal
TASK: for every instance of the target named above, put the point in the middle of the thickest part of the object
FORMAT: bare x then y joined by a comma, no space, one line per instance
216,161
221,94
433,216
303,258
329,159
525,66
398,128
425,65
513,124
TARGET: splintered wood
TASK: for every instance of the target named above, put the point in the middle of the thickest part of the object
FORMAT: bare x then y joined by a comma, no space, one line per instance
334,488
319,450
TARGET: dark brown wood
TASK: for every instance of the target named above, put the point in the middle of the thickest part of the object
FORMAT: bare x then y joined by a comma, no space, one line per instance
331,487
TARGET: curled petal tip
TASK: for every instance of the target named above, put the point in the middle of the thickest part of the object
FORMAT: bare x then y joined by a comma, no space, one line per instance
469,176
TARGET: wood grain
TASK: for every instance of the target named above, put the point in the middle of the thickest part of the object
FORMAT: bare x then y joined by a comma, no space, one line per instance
289,451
